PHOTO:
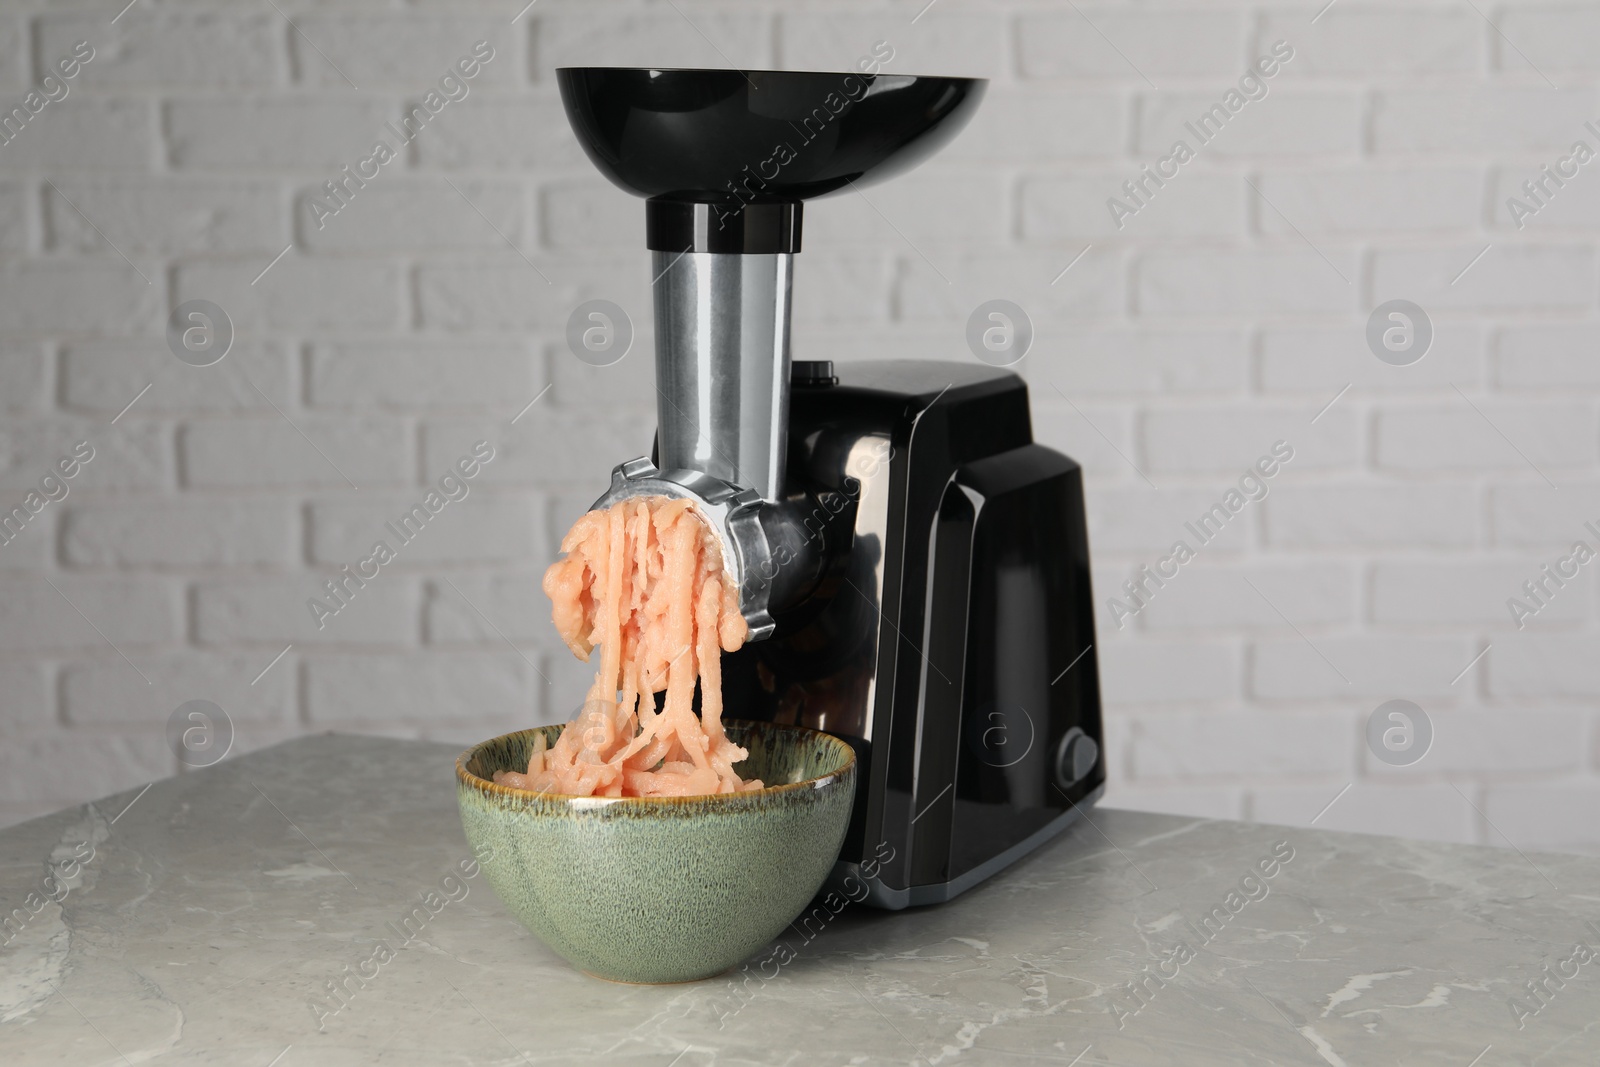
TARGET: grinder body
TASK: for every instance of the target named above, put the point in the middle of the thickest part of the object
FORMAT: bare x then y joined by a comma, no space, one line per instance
912,566
949,635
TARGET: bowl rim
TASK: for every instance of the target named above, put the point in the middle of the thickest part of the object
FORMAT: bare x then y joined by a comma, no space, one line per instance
492,788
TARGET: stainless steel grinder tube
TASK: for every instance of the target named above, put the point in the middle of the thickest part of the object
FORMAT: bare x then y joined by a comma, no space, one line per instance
722,364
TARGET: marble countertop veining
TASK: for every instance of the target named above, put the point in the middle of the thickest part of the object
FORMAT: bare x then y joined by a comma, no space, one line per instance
209,921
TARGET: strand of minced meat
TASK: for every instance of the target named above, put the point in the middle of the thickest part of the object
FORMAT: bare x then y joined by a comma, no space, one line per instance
642,580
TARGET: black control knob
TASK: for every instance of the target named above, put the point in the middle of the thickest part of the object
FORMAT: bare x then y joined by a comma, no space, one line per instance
1076,757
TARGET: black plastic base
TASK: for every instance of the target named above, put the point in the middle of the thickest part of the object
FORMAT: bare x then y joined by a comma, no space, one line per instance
848,881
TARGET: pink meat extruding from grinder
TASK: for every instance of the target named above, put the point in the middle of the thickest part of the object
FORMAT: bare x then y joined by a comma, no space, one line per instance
643,581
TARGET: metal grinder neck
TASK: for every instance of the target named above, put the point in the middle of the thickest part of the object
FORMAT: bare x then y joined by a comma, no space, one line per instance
722,293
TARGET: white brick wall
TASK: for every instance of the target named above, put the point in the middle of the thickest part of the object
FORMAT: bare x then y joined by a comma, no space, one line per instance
1224,315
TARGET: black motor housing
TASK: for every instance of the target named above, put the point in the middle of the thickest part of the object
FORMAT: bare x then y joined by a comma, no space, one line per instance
950,636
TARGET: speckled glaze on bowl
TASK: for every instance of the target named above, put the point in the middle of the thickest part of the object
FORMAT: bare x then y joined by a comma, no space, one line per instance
663,889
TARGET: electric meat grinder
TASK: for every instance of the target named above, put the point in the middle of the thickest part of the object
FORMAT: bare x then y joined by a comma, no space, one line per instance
914,569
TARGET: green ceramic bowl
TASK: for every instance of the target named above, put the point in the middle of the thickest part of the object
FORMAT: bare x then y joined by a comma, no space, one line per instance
663,889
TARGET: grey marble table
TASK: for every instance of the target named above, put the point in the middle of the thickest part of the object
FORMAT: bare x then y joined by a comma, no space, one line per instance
208,921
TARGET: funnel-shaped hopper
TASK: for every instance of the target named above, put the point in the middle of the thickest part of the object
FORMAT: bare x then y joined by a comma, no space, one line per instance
691,134
728,139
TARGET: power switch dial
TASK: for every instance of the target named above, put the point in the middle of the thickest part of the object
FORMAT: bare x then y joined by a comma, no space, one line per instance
1075,758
